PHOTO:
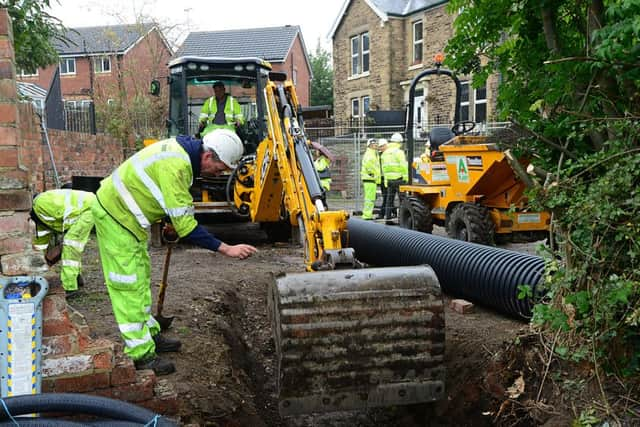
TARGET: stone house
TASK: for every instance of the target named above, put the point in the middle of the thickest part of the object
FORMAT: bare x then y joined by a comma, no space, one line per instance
106,63
379,46
283,47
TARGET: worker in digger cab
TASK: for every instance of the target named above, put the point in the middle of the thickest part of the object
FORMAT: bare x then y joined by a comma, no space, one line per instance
395,171
370,175
221,111
321,164
147,187
63,212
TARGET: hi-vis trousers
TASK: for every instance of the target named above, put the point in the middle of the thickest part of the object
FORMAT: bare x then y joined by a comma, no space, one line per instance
127,273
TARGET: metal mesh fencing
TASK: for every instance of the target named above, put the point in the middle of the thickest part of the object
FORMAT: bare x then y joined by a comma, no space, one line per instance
348,144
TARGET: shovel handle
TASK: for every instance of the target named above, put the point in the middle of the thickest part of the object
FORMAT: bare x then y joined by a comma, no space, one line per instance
163,283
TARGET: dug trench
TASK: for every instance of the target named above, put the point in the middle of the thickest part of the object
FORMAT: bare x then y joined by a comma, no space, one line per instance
226,369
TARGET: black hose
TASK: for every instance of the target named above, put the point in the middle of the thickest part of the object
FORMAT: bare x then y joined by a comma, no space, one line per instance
42,422
76,403
485,275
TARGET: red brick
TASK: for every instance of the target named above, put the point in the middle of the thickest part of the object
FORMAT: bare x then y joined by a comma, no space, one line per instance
7,71
124,372
22,264
14,179
461,306
5,24
83,383
8,112
47,385
17,222
55,327
12,245
8,155
139,391
18,200
8,89
6,48
59,345
54,307
103,360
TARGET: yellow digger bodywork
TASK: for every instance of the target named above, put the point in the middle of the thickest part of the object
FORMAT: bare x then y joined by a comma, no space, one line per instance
466,184
346,337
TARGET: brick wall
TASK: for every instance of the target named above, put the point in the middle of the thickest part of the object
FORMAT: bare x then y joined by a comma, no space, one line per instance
72,361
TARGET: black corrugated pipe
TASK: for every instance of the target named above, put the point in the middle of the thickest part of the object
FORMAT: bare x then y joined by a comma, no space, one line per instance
482,274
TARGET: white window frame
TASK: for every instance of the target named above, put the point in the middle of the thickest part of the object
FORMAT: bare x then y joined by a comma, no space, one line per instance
72,103
359,53
366,52
466,103
355,55
99,62
473,101
418,43
355,107
365,102
67,61
480,101
23,73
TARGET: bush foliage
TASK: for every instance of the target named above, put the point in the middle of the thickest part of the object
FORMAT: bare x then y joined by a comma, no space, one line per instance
570,76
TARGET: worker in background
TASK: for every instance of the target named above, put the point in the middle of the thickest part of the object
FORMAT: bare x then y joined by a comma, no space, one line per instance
221,111
382,142
63,212
153,184
395,172
321,164
370,176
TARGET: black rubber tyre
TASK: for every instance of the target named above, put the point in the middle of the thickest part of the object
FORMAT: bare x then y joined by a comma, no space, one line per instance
415,214
471,223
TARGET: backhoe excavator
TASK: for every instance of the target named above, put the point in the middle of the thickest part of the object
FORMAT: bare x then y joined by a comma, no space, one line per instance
346,337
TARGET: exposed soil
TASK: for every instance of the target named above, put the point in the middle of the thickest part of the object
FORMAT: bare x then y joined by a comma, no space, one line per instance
225,372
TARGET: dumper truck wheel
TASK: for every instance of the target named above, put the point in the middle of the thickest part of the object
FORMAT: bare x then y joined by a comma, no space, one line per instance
472,223
415,214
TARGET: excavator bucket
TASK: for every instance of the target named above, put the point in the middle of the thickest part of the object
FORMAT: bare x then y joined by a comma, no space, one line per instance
353,339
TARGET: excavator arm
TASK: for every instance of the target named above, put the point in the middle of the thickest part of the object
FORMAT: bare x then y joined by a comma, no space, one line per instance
345,337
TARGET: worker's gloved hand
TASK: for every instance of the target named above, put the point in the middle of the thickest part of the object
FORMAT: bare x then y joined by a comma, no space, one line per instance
169,234
53,254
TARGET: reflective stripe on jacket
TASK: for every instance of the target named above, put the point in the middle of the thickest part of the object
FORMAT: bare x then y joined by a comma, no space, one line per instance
58,210
150,185
232,114
370,170
394,163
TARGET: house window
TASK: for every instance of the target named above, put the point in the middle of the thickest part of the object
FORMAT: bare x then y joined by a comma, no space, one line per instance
355,107
295,77
360,54
67,66
70,104
85,104
417,42
365,105
473,108
102,65
25,73
480,104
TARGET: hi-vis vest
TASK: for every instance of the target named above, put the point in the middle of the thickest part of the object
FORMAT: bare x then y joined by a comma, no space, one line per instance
394,163
150,185
58,210
370,170
232,114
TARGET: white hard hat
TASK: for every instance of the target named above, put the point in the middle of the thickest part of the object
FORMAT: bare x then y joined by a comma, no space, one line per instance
226,144
371,141
396,137
382,142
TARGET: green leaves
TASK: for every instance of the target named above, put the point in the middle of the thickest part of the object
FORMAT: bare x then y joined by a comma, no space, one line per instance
570,73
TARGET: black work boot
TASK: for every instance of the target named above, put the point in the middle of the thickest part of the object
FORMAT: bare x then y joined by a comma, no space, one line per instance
158,365
165,344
